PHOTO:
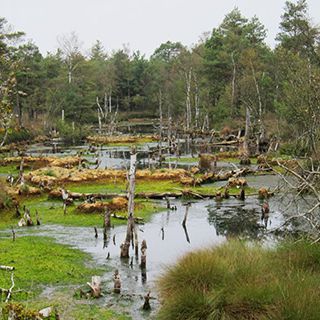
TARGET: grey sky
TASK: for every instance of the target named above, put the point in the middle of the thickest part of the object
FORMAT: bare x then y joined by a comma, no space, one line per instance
143,24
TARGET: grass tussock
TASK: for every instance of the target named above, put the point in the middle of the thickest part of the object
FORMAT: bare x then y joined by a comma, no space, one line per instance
236,281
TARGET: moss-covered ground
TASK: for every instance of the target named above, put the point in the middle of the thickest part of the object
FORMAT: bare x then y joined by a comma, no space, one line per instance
39,262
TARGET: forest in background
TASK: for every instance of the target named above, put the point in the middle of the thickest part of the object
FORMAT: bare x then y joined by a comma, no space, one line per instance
227,75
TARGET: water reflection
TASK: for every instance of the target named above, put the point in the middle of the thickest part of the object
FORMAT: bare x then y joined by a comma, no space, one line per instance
234,218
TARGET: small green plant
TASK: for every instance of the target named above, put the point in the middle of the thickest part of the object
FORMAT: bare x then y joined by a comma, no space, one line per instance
24,189
49,173
20,312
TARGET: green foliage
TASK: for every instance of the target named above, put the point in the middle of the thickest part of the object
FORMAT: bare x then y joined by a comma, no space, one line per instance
21,313
49,173
19,135
231,71
70,133
240,281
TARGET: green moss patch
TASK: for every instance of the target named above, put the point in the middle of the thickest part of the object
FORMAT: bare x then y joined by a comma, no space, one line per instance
40,261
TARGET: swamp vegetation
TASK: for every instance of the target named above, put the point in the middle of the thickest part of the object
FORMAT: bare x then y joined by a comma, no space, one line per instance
183,186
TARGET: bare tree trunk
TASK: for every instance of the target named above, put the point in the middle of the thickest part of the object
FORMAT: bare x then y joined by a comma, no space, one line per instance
233,83
260,125
101,114
196,101
110,101
160,114
143,254
188,98
246,151
130,226
6,130
117,282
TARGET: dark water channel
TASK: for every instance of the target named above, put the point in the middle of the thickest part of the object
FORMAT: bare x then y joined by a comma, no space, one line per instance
209,223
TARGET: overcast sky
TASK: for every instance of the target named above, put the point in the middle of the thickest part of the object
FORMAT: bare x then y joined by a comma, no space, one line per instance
143,24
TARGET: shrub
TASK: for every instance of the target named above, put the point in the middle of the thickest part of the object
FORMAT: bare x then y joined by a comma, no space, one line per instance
70,135
20,135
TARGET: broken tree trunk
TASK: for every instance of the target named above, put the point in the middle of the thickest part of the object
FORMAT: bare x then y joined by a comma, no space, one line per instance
107,219
95,286
124,248
143,254
146,305
117,282
246,151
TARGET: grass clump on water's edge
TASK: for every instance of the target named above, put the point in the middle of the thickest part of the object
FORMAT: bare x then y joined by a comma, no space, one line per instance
40,261
237,281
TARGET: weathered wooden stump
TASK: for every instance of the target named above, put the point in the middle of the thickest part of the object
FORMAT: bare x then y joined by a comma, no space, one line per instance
146,305
95,286
107,219
117,282
124,249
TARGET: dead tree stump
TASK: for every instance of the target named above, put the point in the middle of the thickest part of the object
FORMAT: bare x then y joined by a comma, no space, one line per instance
242,195
95,286
124,249
107,219
13,234
265,213
146,305
143,254
117,282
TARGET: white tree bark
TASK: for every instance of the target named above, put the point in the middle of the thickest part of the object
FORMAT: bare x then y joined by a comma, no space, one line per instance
188,78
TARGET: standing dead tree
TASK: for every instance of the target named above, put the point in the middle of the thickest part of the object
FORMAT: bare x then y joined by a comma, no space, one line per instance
131,234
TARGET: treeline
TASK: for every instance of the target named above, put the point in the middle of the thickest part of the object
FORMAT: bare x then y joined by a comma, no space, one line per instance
229,75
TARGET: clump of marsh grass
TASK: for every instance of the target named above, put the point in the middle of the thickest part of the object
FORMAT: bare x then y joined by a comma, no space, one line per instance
236,281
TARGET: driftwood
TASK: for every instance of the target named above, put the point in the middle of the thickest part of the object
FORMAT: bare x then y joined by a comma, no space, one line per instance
7,268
